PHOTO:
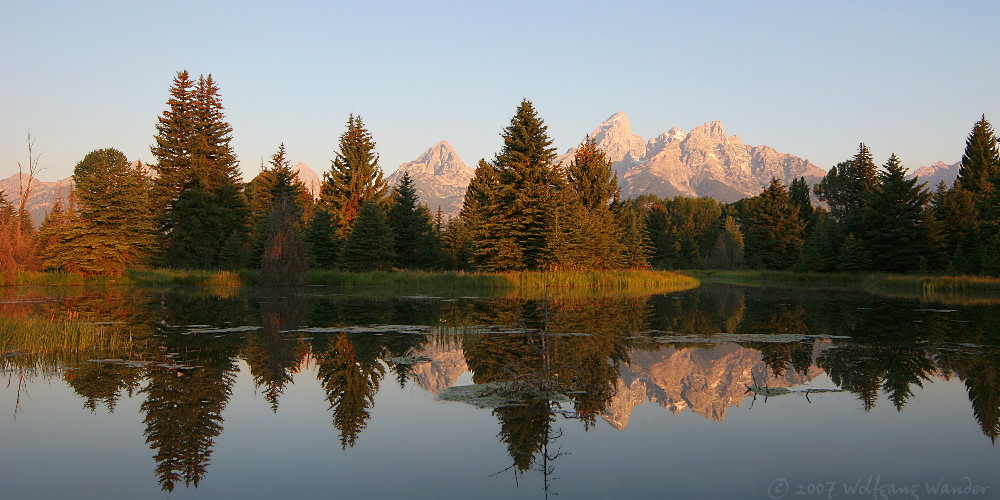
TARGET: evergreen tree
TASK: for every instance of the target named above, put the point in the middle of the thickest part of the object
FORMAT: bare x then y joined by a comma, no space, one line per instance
822,247
113,227
510,199
369,246
197,177
894,220
271,184
457,243
798,191
415,239
853,255
591,176
980,162
635,240
774,234
175,131
354,177
846,187
322,240
728,249
955,211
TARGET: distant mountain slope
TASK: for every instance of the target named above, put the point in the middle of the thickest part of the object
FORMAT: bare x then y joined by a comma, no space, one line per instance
308,177
934,174
440,178
43,194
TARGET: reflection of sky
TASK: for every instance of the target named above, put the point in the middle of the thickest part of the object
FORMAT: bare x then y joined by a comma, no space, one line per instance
416,446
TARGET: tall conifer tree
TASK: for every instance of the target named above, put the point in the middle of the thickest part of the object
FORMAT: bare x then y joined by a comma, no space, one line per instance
893,218
980,162
774,235
510,198
355,176
198,195
113,226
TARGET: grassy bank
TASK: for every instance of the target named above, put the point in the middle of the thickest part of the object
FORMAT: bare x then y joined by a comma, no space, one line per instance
925,284
534,283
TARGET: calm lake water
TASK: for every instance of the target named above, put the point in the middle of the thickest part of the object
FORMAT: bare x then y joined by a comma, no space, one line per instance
716,392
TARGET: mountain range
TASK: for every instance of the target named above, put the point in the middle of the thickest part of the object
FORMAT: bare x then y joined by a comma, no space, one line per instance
703,162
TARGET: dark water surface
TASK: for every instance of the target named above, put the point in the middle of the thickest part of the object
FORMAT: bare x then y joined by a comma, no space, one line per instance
717,392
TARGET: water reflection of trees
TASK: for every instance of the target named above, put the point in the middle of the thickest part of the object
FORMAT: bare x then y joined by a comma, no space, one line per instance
565,364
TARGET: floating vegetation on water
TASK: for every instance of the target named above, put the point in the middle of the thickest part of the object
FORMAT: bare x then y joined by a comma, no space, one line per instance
780,338
129,363
409,360
235,329
410,329
494,395
770,392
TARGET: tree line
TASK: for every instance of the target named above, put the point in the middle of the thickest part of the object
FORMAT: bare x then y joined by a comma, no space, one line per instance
190,209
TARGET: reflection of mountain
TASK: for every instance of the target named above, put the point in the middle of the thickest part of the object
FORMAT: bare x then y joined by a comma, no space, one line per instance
447,364
705,380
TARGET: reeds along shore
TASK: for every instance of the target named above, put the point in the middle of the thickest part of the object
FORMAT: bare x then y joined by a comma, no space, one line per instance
620,281
930,284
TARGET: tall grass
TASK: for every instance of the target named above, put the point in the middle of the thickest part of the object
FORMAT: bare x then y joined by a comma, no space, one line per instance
923,284
40,335
227,283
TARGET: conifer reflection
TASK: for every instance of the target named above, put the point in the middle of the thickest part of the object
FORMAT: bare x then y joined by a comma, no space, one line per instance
274,357
184,407
350,375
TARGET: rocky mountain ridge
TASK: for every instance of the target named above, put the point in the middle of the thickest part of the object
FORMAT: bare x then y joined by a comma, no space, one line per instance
702,162
440,178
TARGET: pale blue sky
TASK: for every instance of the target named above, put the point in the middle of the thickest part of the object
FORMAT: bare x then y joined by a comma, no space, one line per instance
812,79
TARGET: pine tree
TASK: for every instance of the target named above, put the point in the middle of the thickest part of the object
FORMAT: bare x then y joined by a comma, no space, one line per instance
113,227
354,177
509,199
955,210
798,191
980,162
198,177
276,182
847,185
322,240
635,240
893,218
416,242
774,235
369,245
590,174
175,131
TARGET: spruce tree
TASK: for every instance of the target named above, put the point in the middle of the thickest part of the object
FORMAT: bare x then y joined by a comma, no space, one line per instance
197,177
283,262
509,199
799,193
113,226
414,236
774,234
847,185
276,182
590,174
635,240
893,220
322,240
980,162
369,246
175,130
355,176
